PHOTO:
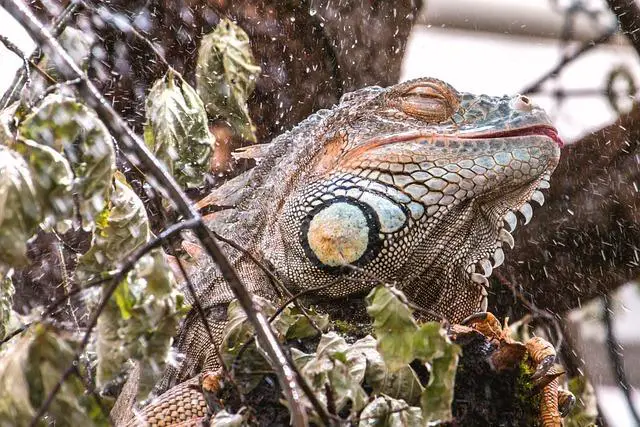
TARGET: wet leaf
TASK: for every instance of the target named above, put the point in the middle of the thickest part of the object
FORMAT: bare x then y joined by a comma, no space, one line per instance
332,368
293,324
177,130
225,419
120,229
77,44
225,76
401,384
6,301
394,326
143,314
140,321
438,394
385,411
20,211
585,413
237,332
29,370
401,340
72,129
52,178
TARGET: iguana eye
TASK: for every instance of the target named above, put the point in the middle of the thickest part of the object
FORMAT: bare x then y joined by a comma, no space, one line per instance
429,101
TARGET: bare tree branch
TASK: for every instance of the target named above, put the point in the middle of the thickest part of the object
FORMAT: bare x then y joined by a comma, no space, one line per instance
138,153
57,27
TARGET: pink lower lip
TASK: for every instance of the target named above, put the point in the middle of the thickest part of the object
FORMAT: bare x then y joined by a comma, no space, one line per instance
548,131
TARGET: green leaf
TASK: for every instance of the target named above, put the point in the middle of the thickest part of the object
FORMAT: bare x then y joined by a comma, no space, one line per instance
400,340
394,326
30,368
293,324
438,395
385,411
239,331
52,178
177,130
6,300
120,229
585,413
20,210
69,127
143,314
401,384
225,76
140,321
332,368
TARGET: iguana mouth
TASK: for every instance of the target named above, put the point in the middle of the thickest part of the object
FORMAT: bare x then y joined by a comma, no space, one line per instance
540,130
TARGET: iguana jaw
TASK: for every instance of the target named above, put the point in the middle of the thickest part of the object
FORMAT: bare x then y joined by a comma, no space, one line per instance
480,263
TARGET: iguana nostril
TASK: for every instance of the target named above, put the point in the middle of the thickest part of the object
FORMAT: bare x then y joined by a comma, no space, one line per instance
522,103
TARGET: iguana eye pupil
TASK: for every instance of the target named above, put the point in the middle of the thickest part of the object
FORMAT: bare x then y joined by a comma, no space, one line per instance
340,232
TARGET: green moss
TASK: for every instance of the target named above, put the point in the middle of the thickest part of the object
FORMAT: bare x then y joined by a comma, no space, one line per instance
528,399
346,328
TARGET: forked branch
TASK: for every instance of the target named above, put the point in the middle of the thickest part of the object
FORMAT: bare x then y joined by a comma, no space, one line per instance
137,152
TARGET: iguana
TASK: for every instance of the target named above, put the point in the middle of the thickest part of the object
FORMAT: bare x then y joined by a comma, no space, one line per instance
415,184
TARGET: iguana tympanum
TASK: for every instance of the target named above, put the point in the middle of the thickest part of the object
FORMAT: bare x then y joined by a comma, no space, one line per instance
415,184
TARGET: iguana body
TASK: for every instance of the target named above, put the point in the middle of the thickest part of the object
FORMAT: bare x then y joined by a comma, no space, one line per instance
412,185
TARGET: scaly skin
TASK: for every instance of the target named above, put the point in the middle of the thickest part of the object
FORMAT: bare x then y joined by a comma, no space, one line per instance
413,184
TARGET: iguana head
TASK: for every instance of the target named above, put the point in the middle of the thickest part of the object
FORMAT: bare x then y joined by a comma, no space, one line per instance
417,185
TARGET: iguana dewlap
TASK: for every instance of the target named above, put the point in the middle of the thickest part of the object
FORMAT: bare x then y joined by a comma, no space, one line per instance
415,184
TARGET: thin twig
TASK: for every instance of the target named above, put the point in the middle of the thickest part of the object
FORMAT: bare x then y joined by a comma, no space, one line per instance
628,14
586,47
57,27
615,357
535,311
126,27
138,153
15,49
115,281
199,309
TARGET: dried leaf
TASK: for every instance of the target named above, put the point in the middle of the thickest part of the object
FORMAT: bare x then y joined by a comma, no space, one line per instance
177,130
385,411
225,419
225,76
29,370
69,127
